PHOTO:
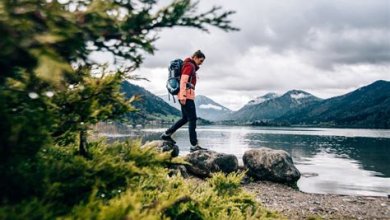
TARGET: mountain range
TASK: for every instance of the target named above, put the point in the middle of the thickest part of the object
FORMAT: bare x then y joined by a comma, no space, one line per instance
272,106
368,106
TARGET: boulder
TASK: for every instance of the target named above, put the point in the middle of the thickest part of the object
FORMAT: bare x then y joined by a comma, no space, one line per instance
269,164
163,146
205,162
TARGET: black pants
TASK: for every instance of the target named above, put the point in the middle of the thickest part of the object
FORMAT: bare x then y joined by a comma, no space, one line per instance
188,114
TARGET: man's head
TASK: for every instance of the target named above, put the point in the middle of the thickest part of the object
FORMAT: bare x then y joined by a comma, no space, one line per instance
198,57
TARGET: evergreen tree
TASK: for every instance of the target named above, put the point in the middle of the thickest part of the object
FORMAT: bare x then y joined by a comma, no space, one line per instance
46,85
50,92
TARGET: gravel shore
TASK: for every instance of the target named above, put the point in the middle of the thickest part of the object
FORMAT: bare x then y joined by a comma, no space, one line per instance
299,205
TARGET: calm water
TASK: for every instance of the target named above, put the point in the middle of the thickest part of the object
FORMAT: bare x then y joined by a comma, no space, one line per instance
338,161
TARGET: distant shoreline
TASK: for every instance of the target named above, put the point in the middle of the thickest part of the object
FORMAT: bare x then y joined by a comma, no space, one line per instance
209,123
253,124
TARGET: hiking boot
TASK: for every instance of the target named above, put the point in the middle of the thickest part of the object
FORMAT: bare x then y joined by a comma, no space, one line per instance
196,148
168,138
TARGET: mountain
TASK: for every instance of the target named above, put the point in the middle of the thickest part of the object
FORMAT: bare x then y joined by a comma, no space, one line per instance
206,108
151,107
263,98
367,107
272,106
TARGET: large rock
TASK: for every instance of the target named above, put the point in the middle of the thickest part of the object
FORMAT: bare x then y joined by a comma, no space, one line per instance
268,164
205,162
163,146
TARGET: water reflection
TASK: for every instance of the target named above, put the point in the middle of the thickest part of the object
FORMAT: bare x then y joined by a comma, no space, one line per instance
341,176
345,161
372,153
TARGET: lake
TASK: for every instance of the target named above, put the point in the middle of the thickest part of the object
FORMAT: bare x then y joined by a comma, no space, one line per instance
335,161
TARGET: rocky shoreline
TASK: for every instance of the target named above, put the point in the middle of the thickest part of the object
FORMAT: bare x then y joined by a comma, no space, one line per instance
299,205
264,165
295,204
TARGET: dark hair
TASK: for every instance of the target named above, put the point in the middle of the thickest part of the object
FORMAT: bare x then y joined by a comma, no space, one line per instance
199,54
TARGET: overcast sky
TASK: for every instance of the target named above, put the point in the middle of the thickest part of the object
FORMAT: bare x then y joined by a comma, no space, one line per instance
325,47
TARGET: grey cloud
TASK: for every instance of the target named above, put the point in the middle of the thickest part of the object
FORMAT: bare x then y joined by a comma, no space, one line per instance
352,47
327,47
182,42
289,25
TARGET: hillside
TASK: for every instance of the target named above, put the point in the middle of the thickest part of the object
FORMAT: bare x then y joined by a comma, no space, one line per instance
366,107
151,107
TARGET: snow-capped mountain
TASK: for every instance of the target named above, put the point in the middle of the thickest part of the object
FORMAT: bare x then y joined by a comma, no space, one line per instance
274,107
263,98
206,108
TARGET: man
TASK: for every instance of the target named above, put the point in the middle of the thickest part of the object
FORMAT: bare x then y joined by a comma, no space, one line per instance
186,98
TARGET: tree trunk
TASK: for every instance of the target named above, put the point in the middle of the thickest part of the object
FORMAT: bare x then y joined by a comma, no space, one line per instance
83,143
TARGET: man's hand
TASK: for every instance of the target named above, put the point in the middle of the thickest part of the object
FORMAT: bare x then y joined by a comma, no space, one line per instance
182,101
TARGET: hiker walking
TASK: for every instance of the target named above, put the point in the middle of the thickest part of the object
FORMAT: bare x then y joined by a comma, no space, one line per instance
186,98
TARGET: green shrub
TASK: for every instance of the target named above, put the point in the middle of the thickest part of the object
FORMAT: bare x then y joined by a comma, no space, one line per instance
32,209
125,181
